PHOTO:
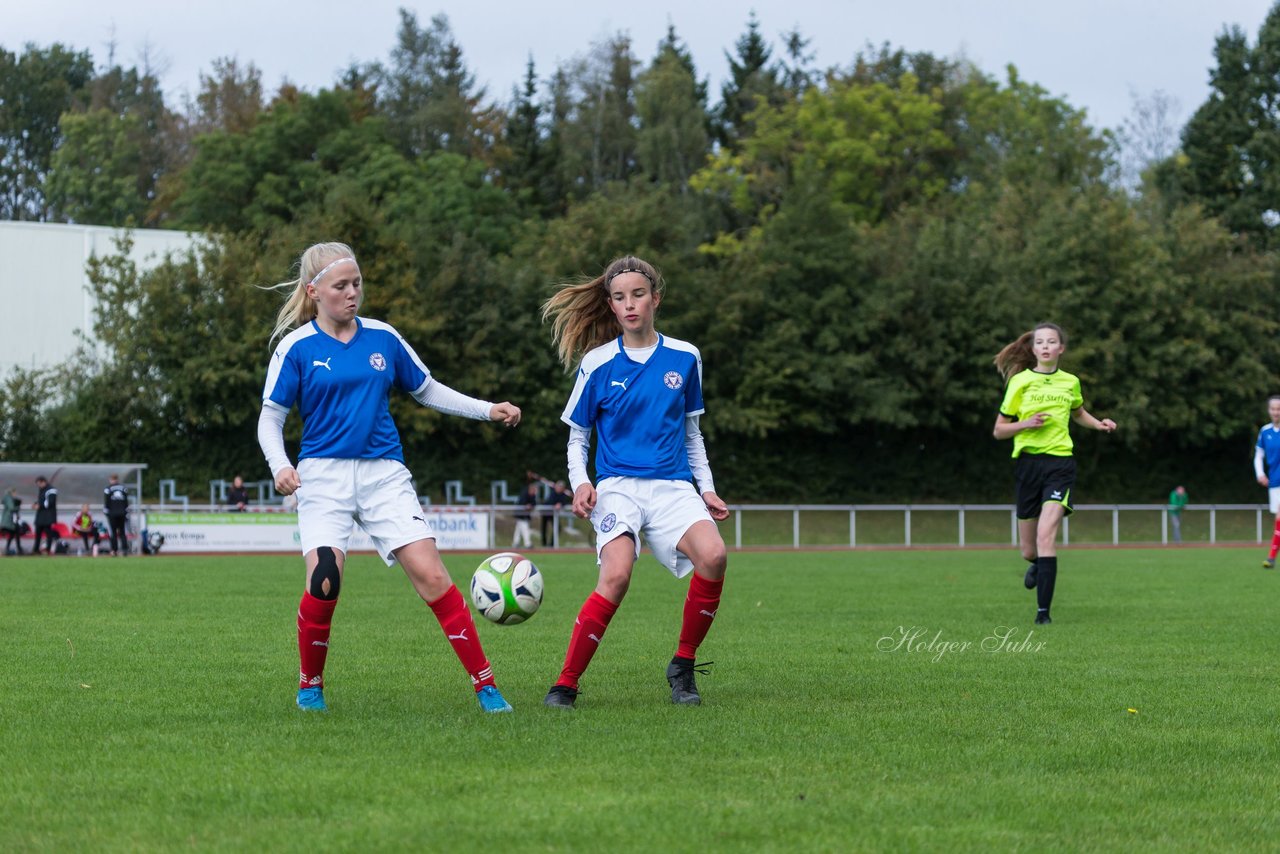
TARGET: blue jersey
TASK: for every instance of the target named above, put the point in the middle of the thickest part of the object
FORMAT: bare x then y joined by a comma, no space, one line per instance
341,389
1269,442
638,410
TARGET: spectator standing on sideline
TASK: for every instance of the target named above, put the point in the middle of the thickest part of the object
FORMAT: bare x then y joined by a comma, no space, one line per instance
46,508
524,514
115,504
11,523
1177,501
86,529
560,499
237,495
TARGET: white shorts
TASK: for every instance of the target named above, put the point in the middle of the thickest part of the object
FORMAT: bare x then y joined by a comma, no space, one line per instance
377,495
1274,494
661,510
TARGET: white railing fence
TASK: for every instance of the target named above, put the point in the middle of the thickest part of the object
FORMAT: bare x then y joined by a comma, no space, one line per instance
854,525
869,525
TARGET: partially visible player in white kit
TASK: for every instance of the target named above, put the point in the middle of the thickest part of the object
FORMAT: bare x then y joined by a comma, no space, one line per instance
1266,467
339,370
642,394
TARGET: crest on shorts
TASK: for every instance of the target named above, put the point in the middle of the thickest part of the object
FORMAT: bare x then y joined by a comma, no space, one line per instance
377,362
673,380
608,523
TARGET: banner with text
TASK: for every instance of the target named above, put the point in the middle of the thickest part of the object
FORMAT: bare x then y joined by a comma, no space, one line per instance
462,529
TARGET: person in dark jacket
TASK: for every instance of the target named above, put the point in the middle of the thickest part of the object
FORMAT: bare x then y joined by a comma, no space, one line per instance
46,508
10,522
115,504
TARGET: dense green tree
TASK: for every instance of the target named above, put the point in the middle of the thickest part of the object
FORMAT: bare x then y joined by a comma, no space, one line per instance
428,95
95,171
753,80
592,135
285,162
527,165
36,88
849,261
1216,140
230,98
114,150
673,140
26,433
797,73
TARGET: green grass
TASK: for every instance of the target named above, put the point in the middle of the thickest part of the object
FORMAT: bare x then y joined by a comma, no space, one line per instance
146,705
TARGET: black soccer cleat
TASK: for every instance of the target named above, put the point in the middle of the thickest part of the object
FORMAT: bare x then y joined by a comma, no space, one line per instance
560,697
684,689
1042,618
1029,580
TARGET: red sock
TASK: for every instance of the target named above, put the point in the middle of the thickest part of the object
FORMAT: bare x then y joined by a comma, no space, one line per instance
314,619
699,610
588,630
1275,541
460,629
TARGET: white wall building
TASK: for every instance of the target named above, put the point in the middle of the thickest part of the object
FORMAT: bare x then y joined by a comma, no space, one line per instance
44,295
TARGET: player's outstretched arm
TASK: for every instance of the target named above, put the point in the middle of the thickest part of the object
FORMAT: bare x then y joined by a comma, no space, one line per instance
1082,417
506,412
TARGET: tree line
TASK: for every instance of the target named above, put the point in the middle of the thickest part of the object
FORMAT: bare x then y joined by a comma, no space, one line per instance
849,247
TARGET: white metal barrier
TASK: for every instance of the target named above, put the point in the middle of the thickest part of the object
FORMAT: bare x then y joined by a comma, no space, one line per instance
1209,512
794,525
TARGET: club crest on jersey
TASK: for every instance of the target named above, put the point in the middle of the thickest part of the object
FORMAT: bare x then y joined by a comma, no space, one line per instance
673,380
608,522
377,362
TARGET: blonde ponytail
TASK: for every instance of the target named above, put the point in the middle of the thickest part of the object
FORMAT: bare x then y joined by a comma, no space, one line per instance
299,308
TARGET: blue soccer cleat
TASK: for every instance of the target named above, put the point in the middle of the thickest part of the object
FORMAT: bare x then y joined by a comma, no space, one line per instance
491,700
311,700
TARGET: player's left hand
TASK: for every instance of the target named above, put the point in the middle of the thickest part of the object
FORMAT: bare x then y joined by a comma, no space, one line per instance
506,412
1106,425
717,508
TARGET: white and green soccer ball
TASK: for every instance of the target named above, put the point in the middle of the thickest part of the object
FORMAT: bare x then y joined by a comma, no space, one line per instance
506,588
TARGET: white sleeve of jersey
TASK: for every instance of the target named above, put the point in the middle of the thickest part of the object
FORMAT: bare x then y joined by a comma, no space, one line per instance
1259,463
441,398
697,451
271,436
579,443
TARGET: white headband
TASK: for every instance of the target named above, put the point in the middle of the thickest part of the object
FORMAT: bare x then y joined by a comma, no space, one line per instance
327,267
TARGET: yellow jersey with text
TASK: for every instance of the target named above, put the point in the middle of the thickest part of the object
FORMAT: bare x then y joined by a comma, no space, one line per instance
1057,395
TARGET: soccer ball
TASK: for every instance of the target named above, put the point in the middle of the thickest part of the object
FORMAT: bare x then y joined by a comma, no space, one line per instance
506,588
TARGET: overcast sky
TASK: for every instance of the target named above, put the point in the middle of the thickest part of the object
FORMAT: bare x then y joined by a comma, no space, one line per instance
1094,53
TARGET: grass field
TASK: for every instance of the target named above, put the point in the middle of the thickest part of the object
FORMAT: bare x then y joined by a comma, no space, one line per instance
147,704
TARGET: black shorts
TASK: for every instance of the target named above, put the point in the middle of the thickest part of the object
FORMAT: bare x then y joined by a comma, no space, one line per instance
1040,478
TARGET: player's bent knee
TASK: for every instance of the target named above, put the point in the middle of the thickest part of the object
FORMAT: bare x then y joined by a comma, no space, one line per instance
326,578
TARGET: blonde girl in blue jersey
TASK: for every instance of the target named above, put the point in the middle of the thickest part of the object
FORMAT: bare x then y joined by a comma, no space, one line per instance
338,369
1039,400
641,392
